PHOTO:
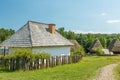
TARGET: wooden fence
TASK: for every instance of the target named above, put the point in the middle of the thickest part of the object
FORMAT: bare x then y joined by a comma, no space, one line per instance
23,64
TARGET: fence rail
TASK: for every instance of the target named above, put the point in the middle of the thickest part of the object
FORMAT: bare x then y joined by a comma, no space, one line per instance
23,64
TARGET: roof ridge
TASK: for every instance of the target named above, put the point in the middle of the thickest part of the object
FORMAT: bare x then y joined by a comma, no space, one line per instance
29,32
36,22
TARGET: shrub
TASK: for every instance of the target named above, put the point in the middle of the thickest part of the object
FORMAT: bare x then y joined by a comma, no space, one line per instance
99,51
43,55
80,50
1,56
22,53
26,54
9,57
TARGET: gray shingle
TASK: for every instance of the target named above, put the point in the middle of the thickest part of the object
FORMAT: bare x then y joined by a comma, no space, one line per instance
35,34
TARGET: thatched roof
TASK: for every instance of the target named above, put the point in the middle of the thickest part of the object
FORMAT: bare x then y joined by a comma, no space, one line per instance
34,34
114,45
75,46
96,44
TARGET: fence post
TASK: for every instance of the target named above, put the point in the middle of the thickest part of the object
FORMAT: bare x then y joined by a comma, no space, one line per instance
12,64
47,63
44,63
57,60
51,61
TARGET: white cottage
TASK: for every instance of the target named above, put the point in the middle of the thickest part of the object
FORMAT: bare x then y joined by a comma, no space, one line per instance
39,37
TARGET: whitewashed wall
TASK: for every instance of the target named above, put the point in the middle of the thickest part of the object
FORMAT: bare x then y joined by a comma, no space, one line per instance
53,50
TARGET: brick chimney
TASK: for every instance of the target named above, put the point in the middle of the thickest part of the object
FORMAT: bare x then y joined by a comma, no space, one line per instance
52,28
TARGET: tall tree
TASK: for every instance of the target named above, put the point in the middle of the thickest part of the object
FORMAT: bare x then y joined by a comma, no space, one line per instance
5,33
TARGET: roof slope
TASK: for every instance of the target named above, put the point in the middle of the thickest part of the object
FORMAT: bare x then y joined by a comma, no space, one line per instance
96,44
20,38
114,45
35,34
75,46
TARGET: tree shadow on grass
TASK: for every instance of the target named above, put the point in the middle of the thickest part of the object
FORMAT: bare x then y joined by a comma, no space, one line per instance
5,71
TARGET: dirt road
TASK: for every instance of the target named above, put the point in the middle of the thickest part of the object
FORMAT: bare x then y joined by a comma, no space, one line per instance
106,73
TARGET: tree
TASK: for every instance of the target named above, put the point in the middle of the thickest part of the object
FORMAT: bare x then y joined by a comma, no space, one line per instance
87,39
62,31
5,33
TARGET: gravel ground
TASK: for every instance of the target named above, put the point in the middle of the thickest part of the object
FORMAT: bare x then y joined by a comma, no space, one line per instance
106,73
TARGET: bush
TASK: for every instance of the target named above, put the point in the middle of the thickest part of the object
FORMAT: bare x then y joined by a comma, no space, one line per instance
26,54
22,53
99,51
80,50
43,55
1,56
9,57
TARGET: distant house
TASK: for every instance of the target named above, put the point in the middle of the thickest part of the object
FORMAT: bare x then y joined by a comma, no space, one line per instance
96,44
39,37
75,46
114,46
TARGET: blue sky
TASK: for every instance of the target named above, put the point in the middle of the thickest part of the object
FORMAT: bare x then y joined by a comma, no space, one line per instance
97,16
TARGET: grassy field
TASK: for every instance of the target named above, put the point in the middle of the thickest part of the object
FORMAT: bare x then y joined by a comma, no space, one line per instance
86,69
117,72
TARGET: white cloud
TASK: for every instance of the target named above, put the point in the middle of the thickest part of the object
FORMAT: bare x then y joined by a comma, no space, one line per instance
104,14
84,32
113,21
92,32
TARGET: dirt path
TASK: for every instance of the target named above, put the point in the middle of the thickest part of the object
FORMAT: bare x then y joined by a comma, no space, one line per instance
106,73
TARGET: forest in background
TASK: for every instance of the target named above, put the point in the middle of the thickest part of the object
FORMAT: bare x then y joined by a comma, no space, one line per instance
85,40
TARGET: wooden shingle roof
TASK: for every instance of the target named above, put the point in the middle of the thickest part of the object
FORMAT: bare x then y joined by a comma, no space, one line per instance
75,46
114,45
96,44
34,34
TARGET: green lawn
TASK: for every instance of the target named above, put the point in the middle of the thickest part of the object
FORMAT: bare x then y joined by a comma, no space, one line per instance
117,72
86,69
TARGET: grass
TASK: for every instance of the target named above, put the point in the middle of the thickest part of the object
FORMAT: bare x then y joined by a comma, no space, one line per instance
86,69
117,72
